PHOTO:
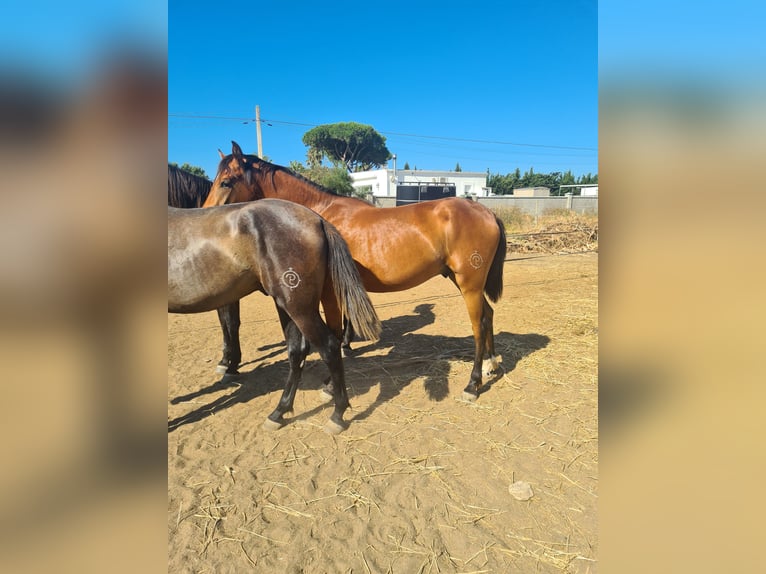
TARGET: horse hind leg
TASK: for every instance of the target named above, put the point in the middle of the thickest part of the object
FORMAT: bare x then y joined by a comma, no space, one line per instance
348,336
474,301
340,326
297,350
491,360
328,345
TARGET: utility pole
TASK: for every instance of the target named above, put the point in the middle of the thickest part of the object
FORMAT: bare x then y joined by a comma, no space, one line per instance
258,130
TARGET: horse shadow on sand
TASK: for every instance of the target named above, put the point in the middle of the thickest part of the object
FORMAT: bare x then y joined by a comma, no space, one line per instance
410,356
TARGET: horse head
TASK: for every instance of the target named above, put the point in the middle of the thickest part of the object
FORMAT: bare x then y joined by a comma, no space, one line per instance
237,179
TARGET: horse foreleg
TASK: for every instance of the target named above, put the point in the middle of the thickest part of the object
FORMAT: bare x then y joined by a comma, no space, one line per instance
232,353
297,349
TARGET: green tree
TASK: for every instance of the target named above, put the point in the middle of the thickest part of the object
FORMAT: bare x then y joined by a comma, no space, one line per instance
406,165
588,178
196,170
336,178
358,147
499,184
505,184
457,167
568,178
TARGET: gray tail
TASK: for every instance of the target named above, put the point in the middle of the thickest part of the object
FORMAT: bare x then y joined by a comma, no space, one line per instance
350,293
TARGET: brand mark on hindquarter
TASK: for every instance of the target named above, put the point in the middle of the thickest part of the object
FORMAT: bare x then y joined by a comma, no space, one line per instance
290,278
476,260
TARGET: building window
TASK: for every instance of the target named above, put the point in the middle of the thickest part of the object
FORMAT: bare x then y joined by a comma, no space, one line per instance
467,189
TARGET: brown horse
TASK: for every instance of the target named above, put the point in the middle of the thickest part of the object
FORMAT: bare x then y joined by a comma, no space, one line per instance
217,256
395,248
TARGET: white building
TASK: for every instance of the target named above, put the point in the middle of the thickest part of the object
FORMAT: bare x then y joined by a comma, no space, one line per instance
586,189
539,191
383,182
589,191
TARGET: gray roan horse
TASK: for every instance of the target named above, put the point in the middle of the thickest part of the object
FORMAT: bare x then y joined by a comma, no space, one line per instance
218,255
187,190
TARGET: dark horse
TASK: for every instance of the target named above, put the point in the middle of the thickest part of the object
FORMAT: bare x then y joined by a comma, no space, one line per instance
186,189
394,248
189,190
217,256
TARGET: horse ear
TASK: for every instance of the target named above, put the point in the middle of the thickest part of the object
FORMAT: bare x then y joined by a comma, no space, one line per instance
236,151
221,153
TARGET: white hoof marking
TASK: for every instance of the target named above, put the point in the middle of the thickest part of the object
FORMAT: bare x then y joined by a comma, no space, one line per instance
270,425
333,428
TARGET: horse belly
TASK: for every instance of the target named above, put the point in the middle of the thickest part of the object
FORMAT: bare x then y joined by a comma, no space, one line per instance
398,274
204,280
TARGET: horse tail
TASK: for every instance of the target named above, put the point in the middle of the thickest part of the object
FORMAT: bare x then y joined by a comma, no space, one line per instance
494,285
352,298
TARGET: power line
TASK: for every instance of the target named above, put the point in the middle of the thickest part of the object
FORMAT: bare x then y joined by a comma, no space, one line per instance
445,138
494,142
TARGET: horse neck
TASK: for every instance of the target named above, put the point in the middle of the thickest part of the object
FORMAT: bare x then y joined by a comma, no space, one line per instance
283,185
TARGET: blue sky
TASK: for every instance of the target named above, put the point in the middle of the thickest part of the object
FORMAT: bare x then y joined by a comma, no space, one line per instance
491,85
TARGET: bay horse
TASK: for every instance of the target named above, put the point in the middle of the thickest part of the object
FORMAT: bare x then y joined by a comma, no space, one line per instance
188,190
217,256
395,248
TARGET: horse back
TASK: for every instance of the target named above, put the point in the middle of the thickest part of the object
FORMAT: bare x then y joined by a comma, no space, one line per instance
272,246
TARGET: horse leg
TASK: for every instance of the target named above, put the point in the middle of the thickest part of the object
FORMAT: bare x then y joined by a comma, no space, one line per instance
348,336
475,301
328,345
228,316
491,360
297,349
339,326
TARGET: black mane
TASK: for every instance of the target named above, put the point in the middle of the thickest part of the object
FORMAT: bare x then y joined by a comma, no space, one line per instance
186,189
272,168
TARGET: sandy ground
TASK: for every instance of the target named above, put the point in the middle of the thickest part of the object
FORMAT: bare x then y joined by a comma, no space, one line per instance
420,480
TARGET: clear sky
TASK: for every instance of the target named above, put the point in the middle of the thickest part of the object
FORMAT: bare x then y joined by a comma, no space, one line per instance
489,85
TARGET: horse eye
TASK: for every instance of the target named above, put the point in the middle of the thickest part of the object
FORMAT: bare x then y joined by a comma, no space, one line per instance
225,183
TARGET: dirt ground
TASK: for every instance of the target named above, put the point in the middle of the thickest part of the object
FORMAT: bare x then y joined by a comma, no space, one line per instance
419,482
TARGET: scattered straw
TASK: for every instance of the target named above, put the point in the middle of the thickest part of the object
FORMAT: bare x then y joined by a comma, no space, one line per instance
287,510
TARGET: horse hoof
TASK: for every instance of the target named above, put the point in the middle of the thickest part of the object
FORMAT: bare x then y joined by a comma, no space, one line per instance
225,370
469,397
324,396
332,427
271,425
489,366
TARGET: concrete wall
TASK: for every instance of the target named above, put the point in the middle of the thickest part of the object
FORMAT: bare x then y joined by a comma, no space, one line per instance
539,191
531,205
539,205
